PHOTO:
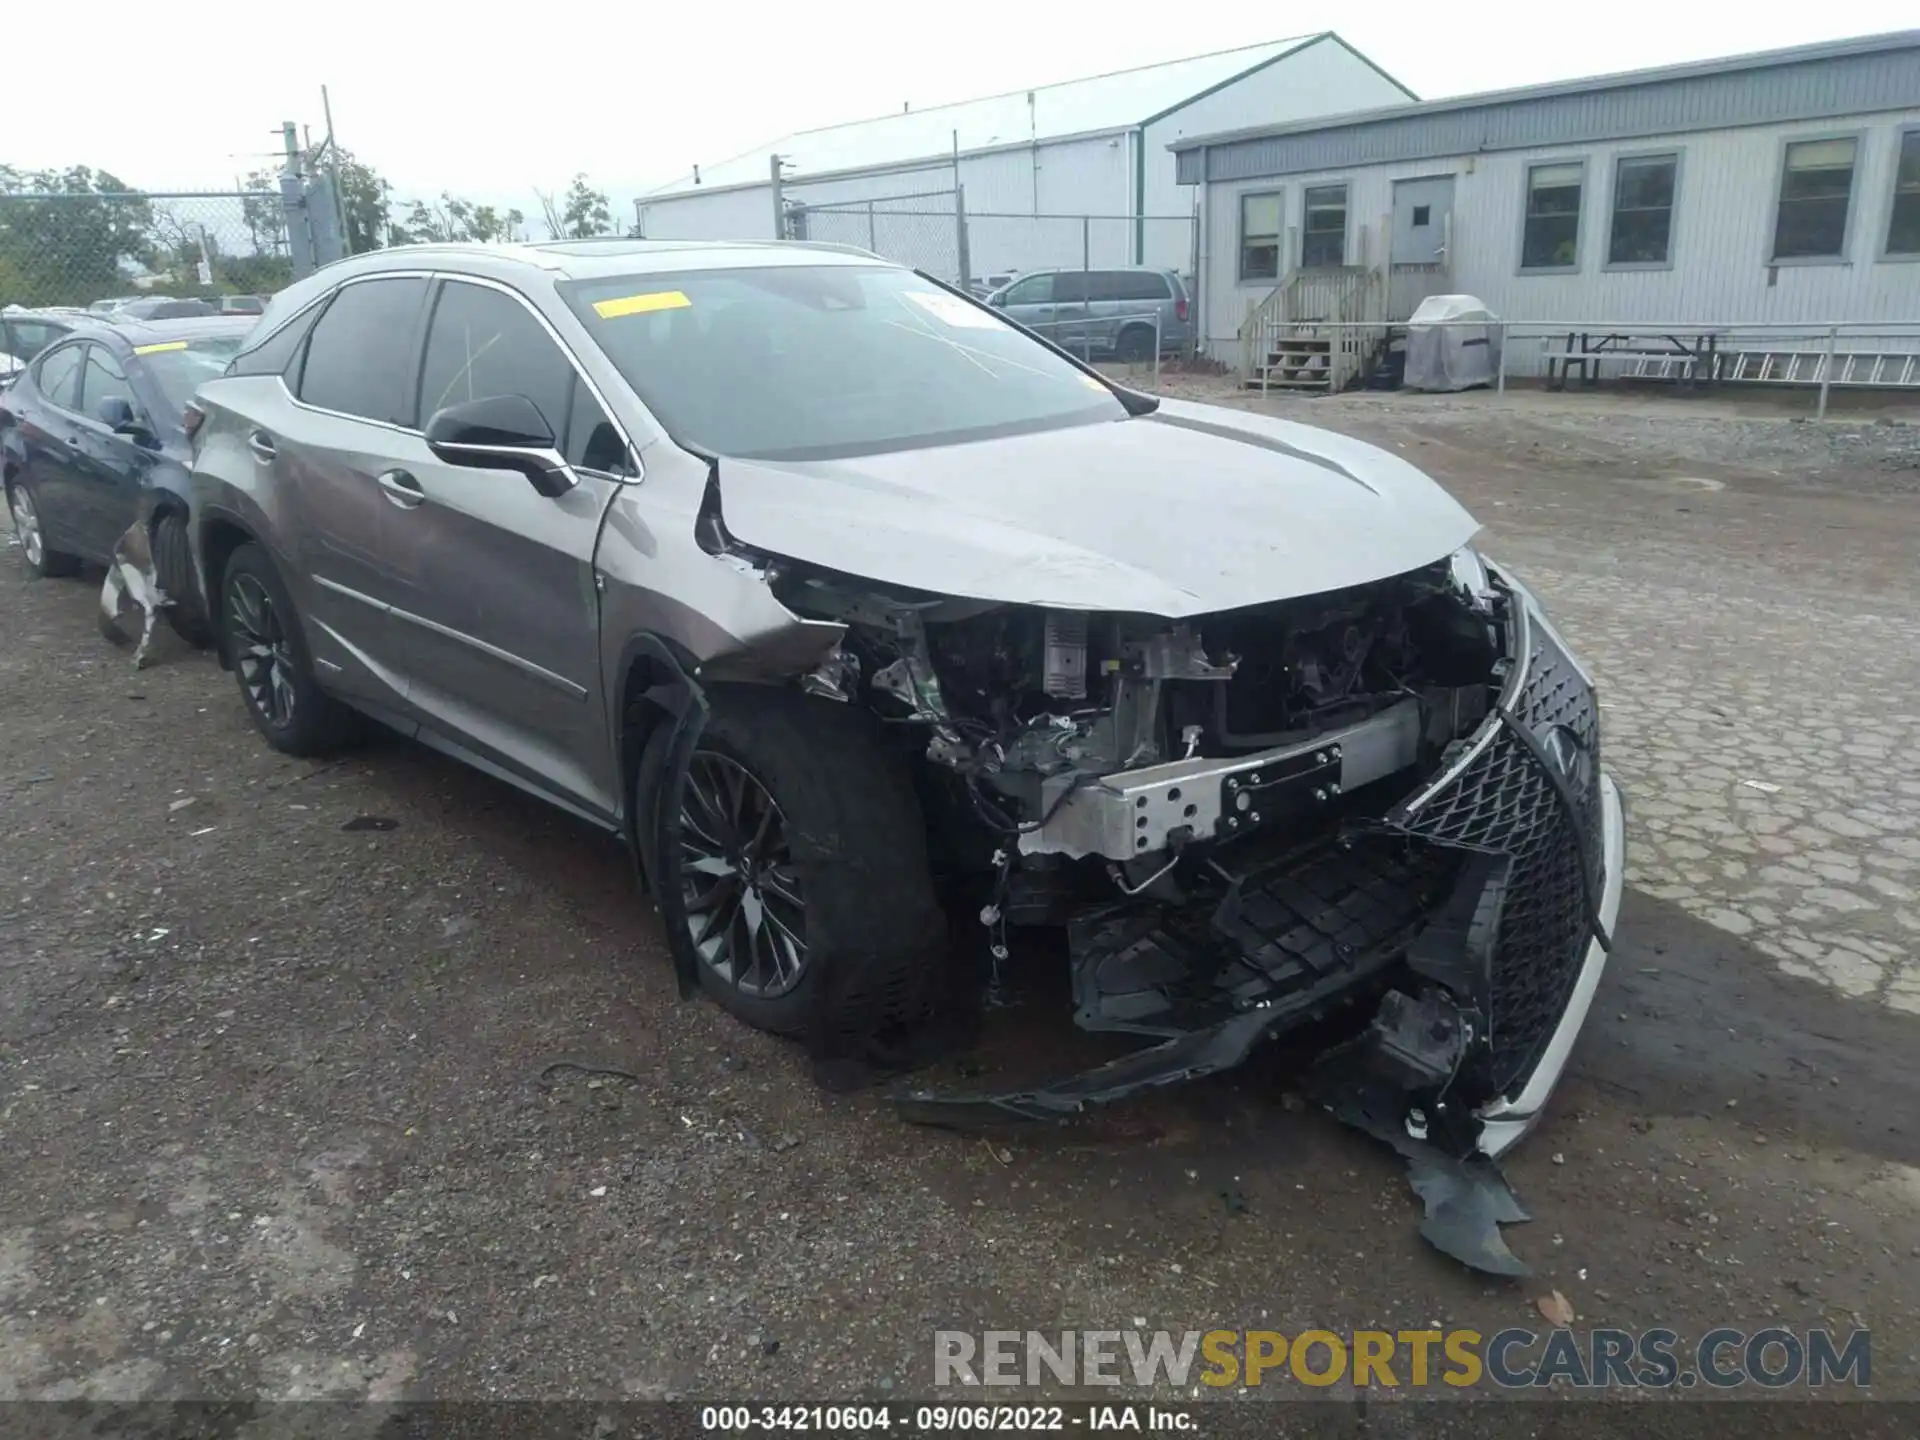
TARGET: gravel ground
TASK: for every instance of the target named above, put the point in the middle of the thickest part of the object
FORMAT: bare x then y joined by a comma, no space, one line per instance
278,1118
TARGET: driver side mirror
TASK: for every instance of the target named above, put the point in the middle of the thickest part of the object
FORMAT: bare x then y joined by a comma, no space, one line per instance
999,302
116,412
502,432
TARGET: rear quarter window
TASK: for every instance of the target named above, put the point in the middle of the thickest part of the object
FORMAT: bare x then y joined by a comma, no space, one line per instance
274,354
1133,285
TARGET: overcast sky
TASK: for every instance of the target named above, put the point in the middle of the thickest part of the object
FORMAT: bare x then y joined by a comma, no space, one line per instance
440,98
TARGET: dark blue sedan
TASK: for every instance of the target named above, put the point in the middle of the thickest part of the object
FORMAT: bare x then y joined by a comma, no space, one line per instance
93,438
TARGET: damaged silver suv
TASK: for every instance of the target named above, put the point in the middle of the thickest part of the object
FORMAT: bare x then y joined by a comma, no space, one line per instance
887,634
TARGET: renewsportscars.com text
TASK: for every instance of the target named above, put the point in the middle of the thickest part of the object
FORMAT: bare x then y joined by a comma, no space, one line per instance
1770,1357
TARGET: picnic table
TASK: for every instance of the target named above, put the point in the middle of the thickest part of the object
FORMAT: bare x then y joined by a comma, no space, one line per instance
1689,358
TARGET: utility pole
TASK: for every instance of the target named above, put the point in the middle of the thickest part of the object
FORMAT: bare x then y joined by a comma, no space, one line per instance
776,167
333,174
293,203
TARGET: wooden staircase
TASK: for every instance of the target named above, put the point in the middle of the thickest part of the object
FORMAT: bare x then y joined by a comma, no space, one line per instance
1320,330
1317,332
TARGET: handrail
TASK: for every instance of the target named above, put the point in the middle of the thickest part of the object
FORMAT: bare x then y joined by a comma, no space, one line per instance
1655,327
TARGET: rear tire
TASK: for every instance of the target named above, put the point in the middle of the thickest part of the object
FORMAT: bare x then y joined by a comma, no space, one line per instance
173,560
1135,344
40,562
832,928
261,635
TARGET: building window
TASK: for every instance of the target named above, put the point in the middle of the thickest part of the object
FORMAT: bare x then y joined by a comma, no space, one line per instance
1422,214
1551,237
1816,192
1903,225
1642,231
1323,239
1260,237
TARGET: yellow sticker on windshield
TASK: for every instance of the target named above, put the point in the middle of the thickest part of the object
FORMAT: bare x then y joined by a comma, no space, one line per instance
156,349
641,304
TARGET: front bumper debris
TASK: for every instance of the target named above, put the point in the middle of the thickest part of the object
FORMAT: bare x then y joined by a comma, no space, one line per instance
1475,916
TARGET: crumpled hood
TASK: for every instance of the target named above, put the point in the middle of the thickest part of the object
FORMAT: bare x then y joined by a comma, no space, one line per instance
1191,510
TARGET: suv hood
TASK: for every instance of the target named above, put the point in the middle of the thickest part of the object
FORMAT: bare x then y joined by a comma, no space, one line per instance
1187,511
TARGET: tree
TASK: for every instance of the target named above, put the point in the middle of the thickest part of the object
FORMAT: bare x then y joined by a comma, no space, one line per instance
74,240
580,214
452,219
587,212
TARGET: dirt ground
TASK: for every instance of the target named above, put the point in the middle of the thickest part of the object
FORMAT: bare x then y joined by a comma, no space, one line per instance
276,1117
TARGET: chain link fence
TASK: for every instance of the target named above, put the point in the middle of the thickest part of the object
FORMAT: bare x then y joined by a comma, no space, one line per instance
924,231
73,249
938,233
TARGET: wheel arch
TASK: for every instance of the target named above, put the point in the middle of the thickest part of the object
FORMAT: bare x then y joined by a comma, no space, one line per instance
217,535
655,685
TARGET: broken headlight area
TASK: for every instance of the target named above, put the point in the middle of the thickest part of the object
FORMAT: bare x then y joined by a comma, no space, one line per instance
1382,805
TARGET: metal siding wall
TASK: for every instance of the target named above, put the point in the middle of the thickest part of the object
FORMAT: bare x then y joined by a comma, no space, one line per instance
1855,84
1723,232
879,185
999,183
1322,79
1085,177
723,215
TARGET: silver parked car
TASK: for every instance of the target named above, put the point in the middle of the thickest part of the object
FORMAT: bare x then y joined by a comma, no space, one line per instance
888,636
1106,313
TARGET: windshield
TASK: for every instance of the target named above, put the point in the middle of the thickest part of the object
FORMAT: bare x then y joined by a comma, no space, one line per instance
178,366
817,362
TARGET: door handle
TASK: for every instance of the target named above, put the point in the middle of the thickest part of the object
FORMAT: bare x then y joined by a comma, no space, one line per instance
401,488
262,446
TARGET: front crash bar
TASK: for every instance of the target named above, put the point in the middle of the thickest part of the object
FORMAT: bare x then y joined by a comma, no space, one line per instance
1140,812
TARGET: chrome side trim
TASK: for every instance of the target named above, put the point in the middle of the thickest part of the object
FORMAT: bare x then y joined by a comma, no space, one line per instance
539,672
339,589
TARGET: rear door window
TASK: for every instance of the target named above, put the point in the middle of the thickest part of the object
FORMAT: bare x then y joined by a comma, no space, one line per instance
58,376
358,357
1070,287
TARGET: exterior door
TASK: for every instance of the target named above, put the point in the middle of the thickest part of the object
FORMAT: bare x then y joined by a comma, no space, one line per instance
1422,220
107,468
353,410
1030,301
1073,322
495,605
49,449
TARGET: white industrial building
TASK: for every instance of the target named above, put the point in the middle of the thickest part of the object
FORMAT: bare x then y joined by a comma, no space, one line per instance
1091,156
1776,188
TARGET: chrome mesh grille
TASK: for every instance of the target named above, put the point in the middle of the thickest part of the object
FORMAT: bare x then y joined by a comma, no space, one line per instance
1504,800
